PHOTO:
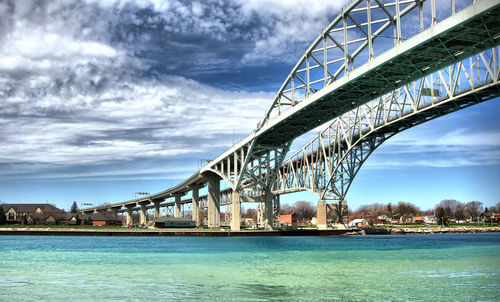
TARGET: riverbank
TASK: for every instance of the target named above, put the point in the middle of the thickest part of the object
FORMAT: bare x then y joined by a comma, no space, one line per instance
166,232
428,230
119,231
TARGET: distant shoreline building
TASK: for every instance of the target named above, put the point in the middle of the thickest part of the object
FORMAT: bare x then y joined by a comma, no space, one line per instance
47,214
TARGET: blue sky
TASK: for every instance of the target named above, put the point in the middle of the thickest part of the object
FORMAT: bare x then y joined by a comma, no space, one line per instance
102,99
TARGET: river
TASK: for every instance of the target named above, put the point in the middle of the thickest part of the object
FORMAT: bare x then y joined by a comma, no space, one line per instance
438,267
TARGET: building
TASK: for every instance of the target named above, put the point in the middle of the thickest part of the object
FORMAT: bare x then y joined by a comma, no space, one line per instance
96,219
383,219
174,222
27,213
289,219
430,219
359,223
418,219
492,217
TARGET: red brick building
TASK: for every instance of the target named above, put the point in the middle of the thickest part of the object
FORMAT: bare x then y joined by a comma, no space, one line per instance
289,219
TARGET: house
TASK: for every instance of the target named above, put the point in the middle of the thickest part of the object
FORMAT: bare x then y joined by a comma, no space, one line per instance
429,219
359,223
96,219
418,219
383,219
492,217
289,219
27,213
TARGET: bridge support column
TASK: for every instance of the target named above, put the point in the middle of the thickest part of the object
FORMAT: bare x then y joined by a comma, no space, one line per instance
321,222
276,210
195,206
268,211
143,215
213,201
177,205
129,216
235,211
156,209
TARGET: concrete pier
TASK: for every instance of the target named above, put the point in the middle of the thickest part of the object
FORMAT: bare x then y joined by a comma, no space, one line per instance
235,211
156,208
143,213
268,212
213,181
321,215
177,205
129,214
195,205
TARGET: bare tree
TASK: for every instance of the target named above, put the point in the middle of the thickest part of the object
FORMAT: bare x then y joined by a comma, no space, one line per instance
440,214
448,206
474,209
495,208
250,213
286,209
406,210
460,212
304,210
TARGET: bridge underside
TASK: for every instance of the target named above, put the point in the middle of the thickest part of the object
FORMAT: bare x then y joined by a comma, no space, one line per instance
421,55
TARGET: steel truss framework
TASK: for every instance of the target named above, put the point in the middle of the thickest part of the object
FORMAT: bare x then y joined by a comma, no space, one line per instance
371,48
328,164
362,31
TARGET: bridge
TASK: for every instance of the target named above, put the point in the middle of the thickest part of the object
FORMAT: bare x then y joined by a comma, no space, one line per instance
379,68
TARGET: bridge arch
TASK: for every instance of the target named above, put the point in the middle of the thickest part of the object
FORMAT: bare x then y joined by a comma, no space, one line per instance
328,164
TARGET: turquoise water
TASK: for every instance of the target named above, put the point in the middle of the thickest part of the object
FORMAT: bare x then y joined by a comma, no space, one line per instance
448,267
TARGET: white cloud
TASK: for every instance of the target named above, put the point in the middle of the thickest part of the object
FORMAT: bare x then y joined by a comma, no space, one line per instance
421,148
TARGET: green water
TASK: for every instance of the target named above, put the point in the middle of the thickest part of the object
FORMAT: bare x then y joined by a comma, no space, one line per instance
449,267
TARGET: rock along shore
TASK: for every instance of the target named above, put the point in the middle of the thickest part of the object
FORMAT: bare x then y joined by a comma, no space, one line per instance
423,230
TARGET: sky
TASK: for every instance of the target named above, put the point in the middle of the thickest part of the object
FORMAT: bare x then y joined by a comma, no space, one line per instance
100,99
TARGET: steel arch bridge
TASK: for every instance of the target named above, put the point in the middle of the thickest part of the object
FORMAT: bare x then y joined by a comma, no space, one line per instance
328,164
381,66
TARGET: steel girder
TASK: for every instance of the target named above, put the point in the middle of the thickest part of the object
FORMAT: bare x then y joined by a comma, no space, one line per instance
328,164
368,30
350,64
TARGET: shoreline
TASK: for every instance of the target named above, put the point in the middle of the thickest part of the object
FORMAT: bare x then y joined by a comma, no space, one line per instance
170,233
438,230
227,233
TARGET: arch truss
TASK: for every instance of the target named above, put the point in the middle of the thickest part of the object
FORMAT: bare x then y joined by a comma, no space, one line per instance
328,164
371,48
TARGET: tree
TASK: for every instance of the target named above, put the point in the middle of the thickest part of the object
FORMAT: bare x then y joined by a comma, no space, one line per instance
304,210
2,215
201,217
78,220
74,207
474,209
406,209
440,213
286,209
250,213
449,206
460,212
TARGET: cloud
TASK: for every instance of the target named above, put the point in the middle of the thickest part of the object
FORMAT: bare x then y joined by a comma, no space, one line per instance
165,117
457,148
